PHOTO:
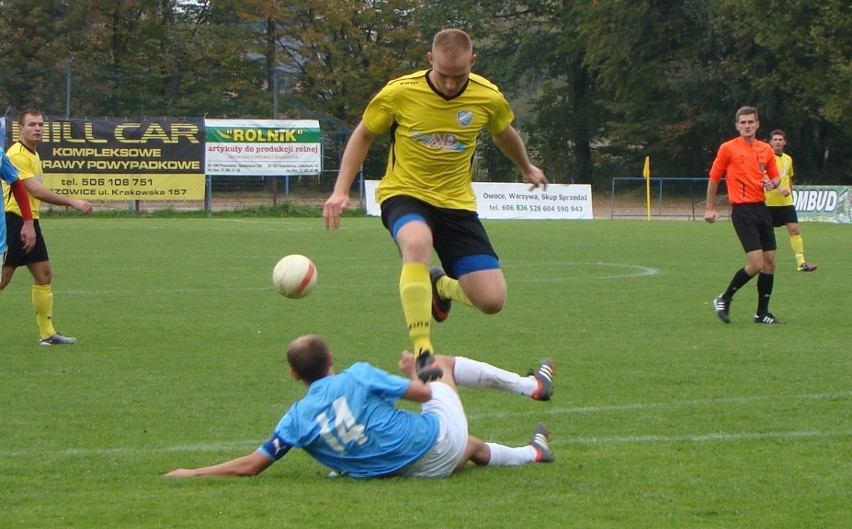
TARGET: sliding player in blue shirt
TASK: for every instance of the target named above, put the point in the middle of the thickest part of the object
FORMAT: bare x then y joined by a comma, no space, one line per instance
349,421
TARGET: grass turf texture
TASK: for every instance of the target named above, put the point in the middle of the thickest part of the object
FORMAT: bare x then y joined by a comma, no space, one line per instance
663,416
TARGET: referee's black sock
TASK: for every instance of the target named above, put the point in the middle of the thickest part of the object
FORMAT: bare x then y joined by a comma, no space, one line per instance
740,279
765,282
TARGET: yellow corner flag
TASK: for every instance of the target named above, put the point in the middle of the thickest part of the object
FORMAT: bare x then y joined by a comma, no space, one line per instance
646,172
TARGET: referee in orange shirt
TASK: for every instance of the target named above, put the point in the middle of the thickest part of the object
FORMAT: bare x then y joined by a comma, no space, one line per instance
748,166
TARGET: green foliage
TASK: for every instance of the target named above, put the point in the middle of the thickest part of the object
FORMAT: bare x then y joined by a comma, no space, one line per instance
662,415
341,52
663,78
595,85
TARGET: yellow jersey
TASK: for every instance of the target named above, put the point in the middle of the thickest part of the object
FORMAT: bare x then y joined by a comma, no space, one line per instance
28,164
785,167
433,137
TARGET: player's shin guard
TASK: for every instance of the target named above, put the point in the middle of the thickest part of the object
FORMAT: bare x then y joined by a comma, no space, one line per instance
737,282
798,248
505,456
765,282
415,291
478,375
43,305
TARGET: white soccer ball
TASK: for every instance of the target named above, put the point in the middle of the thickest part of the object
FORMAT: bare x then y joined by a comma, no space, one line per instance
294,276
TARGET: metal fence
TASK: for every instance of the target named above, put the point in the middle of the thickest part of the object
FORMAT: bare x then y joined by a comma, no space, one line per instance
662,198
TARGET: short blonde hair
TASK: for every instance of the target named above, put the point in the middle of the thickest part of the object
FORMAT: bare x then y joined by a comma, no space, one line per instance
452,40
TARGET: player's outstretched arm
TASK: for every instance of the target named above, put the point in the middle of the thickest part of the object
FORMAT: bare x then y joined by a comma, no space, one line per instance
418,391
250,465
52,197
353,157
512,145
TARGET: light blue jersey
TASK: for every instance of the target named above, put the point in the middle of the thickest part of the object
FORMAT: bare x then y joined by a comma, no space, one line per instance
8,173
349,422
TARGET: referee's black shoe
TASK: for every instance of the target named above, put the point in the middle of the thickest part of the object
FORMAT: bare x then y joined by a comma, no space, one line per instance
722,306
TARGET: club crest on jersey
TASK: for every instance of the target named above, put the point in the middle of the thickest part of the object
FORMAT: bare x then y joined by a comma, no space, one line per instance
464,117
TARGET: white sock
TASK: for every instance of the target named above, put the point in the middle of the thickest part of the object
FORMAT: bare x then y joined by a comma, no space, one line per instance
474,374
505,456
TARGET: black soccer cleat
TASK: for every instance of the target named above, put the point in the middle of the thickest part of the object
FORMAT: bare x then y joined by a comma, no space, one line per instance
722,306
427,367
58,339
767,318
440,306
544,378
541,443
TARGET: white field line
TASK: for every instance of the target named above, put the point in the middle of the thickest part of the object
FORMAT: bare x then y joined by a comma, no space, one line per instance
629,270
674,404
247,445
702,438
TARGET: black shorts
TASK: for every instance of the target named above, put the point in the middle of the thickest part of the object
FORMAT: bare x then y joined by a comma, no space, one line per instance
458,235
15,255
753,225
783,215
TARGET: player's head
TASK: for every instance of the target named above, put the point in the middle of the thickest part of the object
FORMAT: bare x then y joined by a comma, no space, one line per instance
778,140
747,122
451,58
30,127
309,358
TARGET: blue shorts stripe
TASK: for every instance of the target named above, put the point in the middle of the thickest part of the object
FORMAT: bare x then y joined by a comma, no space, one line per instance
474,263
405,219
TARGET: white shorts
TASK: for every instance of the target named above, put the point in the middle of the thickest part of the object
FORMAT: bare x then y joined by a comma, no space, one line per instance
442,458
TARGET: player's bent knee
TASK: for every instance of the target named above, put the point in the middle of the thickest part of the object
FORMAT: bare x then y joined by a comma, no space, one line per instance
494,308
491,305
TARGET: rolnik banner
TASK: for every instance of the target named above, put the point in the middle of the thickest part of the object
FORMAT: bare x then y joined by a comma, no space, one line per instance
108,159
263,147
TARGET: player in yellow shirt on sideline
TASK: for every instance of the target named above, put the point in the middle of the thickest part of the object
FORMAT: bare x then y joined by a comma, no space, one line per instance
781,207
434,117
24,156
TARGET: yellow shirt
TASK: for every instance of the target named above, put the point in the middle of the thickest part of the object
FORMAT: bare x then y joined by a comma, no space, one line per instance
29,166
433,138
785,167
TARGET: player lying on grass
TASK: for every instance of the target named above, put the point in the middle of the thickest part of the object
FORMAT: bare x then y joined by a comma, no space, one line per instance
349,421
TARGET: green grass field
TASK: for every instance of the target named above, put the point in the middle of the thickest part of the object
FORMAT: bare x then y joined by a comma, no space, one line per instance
663,416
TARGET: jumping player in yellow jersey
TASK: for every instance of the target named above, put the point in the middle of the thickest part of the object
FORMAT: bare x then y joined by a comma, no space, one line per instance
427,201
781,207
23,155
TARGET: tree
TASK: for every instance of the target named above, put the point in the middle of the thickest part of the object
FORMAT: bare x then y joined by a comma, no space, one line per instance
340,52
798,67
673,73
33,37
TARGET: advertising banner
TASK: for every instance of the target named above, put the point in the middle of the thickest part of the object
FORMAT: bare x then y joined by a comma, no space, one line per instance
516,201
263,147
102,159
823,203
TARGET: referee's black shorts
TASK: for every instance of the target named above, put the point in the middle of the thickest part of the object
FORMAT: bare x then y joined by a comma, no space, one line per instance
753,224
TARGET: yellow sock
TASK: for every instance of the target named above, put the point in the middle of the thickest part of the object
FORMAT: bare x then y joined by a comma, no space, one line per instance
798,248
415,291
43,305
449,288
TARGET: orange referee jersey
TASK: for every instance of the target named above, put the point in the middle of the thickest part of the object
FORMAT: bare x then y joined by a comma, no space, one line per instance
743,165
